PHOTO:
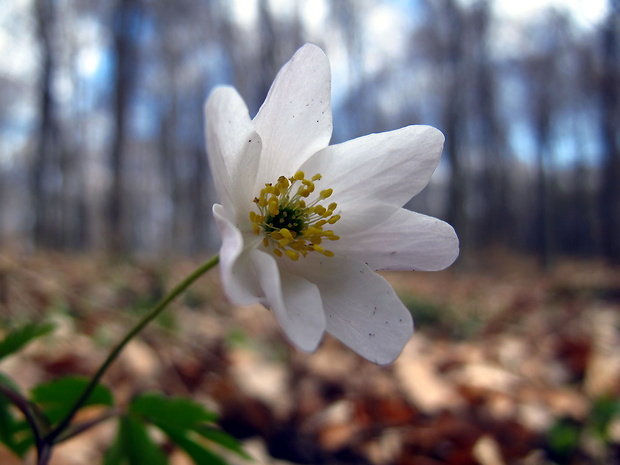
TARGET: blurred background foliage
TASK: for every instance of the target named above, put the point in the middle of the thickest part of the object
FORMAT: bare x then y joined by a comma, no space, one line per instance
101,123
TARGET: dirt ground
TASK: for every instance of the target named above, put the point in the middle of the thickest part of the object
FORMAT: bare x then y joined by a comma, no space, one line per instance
509,365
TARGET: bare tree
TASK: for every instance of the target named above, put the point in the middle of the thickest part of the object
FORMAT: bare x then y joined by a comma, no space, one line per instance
43,175
541,73
548,88
126,21
347,16
493,188
610,140
453,62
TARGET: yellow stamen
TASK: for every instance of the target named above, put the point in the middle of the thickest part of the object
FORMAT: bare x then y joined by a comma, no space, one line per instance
292,255
286,233
292,225
283,183
319,209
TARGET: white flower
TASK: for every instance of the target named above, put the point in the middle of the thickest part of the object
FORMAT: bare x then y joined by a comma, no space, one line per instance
306,225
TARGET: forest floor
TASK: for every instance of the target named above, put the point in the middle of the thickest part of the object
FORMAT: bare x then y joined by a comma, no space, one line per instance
509,365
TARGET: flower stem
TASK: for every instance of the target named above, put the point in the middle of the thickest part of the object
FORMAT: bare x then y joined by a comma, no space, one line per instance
150,316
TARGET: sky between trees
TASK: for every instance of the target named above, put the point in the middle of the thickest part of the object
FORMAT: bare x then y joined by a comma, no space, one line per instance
102,128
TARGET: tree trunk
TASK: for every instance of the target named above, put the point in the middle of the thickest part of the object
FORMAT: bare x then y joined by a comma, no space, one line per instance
610,141
496,224
44,227
452,122
124,27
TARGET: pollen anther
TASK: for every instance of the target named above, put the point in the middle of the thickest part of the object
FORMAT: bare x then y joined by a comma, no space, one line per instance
291,220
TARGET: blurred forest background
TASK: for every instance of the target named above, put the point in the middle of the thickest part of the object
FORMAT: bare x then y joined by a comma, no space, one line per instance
101,124
102,152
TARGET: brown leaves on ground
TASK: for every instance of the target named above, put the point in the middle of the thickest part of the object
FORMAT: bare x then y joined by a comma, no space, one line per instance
503,359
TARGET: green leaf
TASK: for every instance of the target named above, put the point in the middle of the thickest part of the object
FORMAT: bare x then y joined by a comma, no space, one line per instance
563,438
139,447
24,439
197,452
134,445
57,397
175,411
182,420
15,432
603,412
22,336
7,424
223,439
114,454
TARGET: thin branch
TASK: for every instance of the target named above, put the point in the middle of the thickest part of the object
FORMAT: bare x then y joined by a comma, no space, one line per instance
25,407
86,425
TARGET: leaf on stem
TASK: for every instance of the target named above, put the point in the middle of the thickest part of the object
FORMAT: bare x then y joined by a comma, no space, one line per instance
8,426
134,445
15,433
57,397
177,411
22,336
188,424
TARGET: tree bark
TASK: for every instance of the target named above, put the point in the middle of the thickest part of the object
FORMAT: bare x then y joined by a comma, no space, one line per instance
610,141
452,121
44,230
124,27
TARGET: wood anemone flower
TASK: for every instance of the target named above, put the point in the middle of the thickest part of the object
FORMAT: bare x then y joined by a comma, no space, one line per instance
305,225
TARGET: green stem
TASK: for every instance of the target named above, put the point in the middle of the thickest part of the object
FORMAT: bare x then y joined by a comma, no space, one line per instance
150,316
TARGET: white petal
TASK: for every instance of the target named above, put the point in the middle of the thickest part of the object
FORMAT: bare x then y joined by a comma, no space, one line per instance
295,121
296,302
405,241
238,276
249,276
233,147
374,175
362,309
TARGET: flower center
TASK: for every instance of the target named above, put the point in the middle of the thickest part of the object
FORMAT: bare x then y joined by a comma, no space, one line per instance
291,226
